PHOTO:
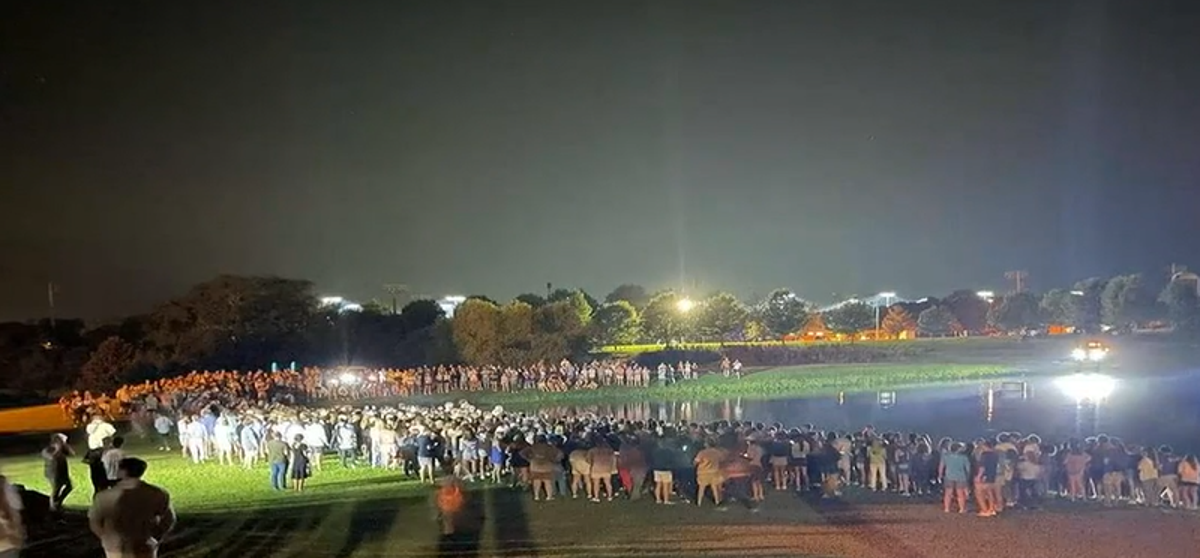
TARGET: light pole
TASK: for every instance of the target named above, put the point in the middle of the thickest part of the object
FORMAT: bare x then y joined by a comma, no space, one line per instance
887,297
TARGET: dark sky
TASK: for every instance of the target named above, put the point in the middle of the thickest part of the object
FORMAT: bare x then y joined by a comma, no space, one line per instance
489,147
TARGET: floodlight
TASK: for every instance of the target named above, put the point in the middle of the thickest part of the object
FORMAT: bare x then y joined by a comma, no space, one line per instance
685,305
1087,387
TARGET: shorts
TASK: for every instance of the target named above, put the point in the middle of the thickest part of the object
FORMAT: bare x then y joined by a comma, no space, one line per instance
710,480
664,476
601,474
955,485
425,461
779,461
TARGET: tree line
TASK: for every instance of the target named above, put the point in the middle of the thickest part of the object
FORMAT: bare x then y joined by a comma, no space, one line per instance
240,323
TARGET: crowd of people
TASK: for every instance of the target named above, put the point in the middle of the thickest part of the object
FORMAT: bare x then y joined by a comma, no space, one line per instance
263,421
191,392
581,455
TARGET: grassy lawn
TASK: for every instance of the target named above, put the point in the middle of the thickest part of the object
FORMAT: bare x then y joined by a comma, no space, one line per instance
227,512
788,381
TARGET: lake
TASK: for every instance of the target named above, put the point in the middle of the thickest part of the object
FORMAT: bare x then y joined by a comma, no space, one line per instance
1156,410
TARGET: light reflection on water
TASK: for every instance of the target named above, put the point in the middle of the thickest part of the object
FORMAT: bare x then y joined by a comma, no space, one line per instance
1141,411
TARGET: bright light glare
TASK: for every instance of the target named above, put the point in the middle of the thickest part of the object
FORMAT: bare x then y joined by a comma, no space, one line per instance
985,294
888,294
685,305
1087,387
1079,354
348,378
1096,355
331,300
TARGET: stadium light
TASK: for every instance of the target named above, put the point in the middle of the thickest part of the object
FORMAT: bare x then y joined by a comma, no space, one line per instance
685,305
1087,387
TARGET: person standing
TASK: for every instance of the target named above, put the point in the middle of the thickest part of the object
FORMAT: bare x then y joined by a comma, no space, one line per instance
133,516
111,460
301,469
162,427
58,474
277,458
97,431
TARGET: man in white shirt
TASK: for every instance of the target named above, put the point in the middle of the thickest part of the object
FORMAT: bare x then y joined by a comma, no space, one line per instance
132,517
97,431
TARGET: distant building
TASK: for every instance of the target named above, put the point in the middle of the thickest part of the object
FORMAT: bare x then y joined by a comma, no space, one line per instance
1188,278
450,303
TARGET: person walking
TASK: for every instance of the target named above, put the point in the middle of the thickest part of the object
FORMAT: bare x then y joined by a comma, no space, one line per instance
58,473
132,517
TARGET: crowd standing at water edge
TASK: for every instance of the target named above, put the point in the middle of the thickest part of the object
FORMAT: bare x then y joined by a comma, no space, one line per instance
606,458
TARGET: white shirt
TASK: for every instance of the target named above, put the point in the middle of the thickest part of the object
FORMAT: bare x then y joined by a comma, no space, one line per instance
97,432
111,460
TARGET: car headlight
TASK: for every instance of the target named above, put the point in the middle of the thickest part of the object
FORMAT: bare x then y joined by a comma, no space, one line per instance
1096,354
1079,354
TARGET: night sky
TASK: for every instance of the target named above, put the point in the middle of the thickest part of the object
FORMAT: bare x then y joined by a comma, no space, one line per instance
491,147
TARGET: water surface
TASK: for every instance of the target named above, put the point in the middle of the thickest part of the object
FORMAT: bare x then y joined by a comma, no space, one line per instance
1156,410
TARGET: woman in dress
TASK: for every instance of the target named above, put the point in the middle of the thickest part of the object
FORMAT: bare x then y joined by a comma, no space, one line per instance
300,469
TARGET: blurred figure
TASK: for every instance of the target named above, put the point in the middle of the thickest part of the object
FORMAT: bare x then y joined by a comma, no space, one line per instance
12,528
458,517
58,474
133,516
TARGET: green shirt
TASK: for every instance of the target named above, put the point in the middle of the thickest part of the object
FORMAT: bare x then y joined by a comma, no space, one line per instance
277,452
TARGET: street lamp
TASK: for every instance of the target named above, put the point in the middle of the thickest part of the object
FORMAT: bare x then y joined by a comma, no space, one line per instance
887,297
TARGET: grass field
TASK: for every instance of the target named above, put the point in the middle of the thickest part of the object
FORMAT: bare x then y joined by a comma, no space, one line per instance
788,381
227,512
940,344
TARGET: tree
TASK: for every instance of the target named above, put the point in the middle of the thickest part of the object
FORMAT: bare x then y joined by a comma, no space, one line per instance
515,334
616,323
109,366
531,299
897,321
1182,306
937,321
1061,306
581,301
633,294
420,314
476,332
969,309
1089,306
1126,301
234,322
782,312
1015,311
850,318
662,319
721,317
558,333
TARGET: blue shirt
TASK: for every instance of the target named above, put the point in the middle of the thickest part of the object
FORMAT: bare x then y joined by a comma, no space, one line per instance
958,467
424,448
